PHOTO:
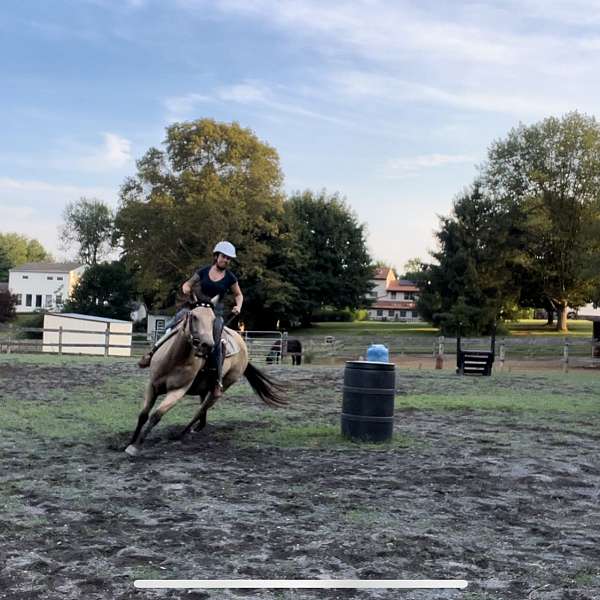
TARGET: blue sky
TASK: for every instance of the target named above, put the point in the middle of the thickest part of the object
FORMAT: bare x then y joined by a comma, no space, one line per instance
390,103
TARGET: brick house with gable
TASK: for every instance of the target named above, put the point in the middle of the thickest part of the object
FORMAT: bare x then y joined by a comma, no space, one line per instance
394,299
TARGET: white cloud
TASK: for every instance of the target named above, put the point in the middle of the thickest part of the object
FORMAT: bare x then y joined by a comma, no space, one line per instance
20,187
247,93
403,167
115,153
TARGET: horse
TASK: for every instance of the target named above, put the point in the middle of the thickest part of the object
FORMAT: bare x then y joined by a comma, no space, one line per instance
179,367
293,347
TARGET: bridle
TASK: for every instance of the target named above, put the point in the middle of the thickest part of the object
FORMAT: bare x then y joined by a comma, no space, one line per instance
191,331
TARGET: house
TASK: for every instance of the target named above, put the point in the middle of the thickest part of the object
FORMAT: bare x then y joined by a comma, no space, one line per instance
394,299
43,286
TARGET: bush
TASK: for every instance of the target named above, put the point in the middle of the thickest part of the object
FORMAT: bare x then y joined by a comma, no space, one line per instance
333,314
34,320
7,306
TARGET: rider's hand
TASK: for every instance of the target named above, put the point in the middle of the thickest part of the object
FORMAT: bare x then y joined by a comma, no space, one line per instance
186,288
236,310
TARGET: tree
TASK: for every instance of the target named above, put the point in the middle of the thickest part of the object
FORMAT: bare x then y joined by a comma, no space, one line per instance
212,181
5,264
412,267
336,268
471,284
7,305
550,172
20,249
88,226
104,290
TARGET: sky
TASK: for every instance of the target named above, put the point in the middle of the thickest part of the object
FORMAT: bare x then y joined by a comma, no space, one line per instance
391,104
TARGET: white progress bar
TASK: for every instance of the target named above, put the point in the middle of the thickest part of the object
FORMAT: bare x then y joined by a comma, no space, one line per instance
398,584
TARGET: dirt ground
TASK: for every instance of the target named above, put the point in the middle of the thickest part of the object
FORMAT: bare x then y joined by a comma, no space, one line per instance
509,503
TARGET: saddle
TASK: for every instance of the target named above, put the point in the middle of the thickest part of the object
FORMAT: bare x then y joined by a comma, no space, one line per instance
231,345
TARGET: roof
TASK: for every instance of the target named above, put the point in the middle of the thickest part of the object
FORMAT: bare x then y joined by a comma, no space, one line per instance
402,285
89,318
394,304
46,267
381,273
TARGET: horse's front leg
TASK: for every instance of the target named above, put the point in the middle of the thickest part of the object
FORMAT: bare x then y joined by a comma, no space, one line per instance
150,396
166,405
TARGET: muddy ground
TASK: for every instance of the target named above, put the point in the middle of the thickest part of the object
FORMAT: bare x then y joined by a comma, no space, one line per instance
505,500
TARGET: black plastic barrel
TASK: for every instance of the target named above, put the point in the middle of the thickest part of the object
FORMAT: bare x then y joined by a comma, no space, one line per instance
368,405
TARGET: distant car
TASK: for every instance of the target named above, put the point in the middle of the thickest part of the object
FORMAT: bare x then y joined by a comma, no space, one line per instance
572,314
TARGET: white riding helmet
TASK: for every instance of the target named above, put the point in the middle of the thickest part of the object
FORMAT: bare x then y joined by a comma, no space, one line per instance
226,248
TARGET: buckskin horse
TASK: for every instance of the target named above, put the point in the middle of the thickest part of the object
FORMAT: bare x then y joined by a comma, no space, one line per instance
179,367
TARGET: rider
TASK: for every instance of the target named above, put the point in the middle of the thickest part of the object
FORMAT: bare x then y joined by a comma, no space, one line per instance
213,280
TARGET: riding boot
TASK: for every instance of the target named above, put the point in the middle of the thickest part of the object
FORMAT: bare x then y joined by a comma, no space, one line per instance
219,356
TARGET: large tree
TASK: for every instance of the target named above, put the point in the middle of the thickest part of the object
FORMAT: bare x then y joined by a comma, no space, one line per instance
88,226
550,171
336,269
212,181
104,290
21,249
471,282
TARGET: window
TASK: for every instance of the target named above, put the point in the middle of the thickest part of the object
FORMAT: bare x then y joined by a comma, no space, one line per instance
38,301
409,295
48,299
25,276
393,295
28,300
49,277
59,278
403,313
390,313
19,299
58,298
159,325
379,313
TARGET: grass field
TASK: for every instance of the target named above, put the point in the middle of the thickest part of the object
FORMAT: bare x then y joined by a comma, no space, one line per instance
525,327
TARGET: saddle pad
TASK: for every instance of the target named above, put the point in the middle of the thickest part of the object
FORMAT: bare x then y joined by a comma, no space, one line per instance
231,344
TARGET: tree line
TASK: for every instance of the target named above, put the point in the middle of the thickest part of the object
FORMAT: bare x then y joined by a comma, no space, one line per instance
213,181
524,234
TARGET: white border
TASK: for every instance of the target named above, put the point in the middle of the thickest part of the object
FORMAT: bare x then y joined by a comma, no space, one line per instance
406,584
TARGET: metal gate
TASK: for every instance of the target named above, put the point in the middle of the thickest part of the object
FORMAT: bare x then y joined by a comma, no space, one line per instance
265,346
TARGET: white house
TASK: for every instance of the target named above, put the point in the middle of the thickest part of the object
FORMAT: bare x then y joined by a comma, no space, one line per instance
45,286
394,299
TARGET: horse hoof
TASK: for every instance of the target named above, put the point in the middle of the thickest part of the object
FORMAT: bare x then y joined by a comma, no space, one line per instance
132,450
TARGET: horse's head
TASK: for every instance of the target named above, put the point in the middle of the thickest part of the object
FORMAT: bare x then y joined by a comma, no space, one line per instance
199,327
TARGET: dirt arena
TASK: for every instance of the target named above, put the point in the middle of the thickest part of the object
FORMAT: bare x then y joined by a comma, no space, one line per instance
506,499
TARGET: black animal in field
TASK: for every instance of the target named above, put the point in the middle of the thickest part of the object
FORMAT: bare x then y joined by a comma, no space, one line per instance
293,348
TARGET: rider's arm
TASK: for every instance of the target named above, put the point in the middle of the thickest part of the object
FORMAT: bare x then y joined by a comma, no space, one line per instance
238,297
190,283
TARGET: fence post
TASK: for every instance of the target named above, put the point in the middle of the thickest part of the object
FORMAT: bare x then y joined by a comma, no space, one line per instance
106,339
502,354
439,357
566,356
284,338
60,332
9,339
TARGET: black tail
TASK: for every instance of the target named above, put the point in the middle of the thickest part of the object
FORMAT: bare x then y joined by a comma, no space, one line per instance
268,390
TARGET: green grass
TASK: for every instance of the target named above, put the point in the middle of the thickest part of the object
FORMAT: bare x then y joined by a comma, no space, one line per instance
314,436
523,327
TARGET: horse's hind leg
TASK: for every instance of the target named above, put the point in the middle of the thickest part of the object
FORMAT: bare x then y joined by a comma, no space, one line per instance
197,416
167,404
150,396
